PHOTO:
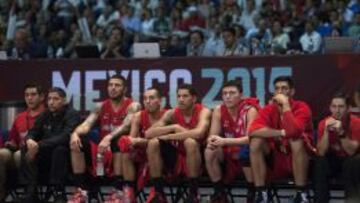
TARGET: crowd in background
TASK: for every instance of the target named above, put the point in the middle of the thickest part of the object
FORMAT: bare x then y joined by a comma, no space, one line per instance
53,28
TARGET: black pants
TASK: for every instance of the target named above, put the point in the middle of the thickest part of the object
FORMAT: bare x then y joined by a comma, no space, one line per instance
346,170
51,166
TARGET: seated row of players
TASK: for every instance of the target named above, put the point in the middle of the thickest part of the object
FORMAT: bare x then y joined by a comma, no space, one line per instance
237,137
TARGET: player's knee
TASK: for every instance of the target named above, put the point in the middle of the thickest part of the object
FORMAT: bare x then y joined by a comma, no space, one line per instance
209,154
5,154
153,145
191,145
126,157
256,145
297,146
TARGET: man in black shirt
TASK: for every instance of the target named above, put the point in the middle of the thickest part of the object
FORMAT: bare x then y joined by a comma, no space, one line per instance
47,146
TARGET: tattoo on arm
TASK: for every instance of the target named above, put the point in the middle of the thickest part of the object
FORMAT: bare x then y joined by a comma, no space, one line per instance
125,127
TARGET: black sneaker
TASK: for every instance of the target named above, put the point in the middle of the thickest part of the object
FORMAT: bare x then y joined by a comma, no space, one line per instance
156,197
250,197
30,198
300,197
262,197
60,198
219,198
192,198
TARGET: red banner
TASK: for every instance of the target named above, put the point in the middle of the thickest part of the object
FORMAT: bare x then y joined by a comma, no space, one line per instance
317,77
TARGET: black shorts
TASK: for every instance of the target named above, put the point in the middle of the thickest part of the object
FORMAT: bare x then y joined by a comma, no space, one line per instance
169,154
86,147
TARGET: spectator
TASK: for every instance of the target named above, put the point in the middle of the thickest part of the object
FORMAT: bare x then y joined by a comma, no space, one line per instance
176,19
107,16
248,15
196,46
129,21
184,15
22,47
354,29
280,39
147,24
231,45
194,20
311,40
215,41
58,44
115,47
178,48
161,23
99,38
260,38
165,48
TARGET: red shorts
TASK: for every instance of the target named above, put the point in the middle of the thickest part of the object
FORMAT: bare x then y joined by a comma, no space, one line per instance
90,149
139,157
233,165
280,163
108,166
174,158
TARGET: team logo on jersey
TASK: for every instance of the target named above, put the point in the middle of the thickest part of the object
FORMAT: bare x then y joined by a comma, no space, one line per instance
229,135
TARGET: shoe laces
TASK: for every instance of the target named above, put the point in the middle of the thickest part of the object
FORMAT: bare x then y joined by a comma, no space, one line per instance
79,196
115,195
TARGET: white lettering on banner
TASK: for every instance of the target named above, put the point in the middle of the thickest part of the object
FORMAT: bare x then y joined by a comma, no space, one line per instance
244,74
72,89
217,74
135,85
90,92
256,82
152,75
175,76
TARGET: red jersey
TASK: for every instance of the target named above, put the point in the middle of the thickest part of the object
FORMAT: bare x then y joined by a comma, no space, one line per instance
145,121
236,128
297,123
110,119
355,111
179,118
23,122
334,142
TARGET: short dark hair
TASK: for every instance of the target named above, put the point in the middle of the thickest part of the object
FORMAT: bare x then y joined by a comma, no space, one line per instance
233,83
200,33
287,79
157,89
230,29
342,95
188,87
39,88
61,92
119,77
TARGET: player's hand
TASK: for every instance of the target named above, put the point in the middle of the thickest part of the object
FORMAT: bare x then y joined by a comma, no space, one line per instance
75,142
104,144
218,141
281,99
178,128
32,148
331,124
164,137
136,141
212,142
